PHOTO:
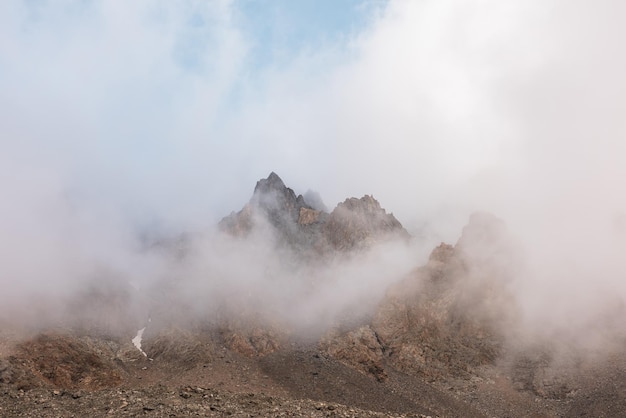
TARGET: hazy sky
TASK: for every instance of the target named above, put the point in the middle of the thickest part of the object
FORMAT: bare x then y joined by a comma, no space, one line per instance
117,114
159,109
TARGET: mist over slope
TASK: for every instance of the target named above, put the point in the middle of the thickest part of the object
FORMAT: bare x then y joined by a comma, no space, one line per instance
277,259
280,262
283,297
154,117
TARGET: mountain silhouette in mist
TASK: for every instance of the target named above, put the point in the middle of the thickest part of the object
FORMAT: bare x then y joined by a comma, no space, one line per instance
302,222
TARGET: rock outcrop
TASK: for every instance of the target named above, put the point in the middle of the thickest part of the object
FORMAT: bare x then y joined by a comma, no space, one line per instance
357,223
445,319
305,225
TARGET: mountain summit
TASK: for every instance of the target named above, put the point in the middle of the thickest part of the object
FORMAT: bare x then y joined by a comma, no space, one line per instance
277,201
354,223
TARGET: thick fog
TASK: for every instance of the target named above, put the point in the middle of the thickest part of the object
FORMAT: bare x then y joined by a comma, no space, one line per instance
122,119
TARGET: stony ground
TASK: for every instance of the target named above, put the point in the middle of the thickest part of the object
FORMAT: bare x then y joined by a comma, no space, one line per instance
297,380
162,401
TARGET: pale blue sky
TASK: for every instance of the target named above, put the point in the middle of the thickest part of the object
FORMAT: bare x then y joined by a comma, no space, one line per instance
282,28
149,91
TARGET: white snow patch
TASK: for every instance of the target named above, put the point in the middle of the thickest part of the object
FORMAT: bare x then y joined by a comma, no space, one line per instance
137,340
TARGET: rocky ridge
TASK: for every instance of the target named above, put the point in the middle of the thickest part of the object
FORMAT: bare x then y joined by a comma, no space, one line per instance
306,227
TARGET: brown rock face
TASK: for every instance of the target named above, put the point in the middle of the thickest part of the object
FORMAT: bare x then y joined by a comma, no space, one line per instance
308,216
445,319
178,347
359,223
239,223
252,343
359,348
251,332
63,361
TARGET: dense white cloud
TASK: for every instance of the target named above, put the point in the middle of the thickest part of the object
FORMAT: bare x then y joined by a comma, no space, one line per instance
114,114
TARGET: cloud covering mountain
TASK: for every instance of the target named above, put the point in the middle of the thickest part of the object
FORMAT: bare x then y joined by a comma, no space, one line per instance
118,118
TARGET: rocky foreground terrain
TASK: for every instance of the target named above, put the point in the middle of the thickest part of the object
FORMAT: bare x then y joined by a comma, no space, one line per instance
445,341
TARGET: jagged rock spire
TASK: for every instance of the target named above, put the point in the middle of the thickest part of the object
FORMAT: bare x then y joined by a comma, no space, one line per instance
353,224
279,202
272,182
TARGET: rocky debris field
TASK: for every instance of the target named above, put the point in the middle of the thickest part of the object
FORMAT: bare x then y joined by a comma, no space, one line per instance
294,381
161,401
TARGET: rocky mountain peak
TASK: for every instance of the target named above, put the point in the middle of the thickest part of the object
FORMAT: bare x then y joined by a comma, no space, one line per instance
272,182
365,204
352,224
356,222
277,201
